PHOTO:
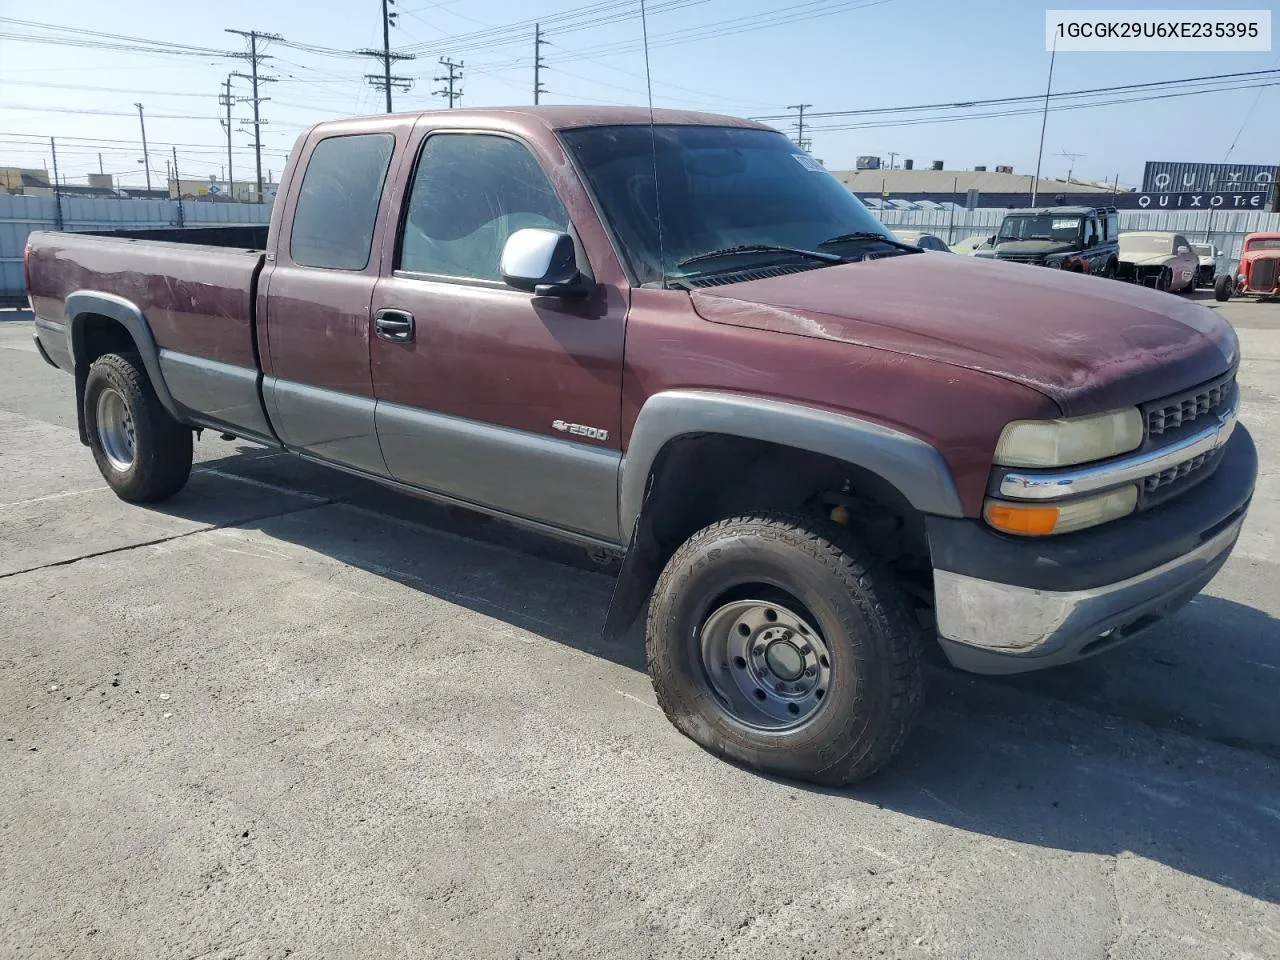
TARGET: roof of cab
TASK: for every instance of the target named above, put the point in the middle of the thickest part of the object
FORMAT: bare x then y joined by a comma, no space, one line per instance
569,117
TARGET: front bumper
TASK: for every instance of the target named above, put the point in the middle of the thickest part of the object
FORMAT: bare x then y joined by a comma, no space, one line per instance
1009,605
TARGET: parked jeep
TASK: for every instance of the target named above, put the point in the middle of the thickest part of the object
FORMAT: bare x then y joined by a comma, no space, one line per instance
1158,259
1258,274
1079,239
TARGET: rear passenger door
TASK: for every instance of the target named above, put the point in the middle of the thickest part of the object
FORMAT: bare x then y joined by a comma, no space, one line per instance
488,394
318,389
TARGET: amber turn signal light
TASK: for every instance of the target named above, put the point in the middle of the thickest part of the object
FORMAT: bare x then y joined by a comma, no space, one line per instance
1032,520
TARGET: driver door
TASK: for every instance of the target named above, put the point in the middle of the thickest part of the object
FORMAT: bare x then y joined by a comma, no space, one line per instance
480,387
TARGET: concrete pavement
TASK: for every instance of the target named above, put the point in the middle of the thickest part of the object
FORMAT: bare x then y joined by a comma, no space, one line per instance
294,714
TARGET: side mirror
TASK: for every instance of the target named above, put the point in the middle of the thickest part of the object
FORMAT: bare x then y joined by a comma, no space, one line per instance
543,262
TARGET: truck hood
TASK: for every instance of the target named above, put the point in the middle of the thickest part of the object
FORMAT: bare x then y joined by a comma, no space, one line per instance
1038,248
1087,343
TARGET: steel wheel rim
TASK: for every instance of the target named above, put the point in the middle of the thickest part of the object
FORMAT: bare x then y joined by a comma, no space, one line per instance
116,432
768,667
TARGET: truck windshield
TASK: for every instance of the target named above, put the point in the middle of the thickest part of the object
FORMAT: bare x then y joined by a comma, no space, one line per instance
720,187
1269,243
1043,226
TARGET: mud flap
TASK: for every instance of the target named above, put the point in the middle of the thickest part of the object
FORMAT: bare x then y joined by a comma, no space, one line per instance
641,567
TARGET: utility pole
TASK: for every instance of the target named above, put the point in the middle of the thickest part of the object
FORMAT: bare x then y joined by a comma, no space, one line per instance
892,157
177,179
255,78
226,100
452,78
538,64
1072,157
385,81
146,161
800,122
1044,122
99,163
57,190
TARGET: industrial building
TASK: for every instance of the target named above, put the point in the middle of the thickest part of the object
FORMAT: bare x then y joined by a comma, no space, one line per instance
997,187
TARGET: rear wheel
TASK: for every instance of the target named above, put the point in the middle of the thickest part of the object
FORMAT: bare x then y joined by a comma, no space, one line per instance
778,643
141,451
1222,288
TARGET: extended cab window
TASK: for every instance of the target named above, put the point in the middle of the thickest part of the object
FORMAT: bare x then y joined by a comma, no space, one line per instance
470,193
338,202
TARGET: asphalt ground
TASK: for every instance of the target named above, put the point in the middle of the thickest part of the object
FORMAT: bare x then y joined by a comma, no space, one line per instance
291,713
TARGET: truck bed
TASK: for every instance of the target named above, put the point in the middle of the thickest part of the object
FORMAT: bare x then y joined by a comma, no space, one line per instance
196,297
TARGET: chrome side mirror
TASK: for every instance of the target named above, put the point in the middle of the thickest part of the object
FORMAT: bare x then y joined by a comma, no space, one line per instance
544,263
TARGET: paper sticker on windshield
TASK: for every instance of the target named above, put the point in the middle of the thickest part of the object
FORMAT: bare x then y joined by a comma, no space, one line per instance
1065,224
808,162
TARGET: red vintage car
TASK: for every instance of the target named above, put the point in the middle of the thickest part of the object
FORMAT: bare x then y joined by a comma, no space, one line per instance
1259,271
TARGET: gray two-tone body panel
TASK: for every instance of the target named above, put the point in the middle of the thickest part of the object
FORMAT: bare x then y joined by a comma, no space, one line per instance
219,395
912,466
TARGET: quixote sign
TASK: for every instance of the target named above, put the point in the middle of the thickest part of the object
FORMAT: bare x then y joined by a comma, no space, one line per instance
1191,201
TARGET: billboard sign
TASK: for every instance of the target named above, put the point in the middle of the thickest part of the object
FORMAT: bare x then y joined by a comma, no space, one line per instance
1220,200
1168,177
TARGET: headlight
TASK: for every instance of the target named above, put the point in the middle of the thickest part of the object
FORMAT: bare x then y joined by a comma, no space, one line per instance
1038,520
1061,443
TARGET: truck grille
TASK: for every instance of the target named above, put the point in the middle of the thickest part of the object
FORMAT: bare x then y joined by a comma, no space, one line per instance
1021,258
1173,474
1262,273
1183,409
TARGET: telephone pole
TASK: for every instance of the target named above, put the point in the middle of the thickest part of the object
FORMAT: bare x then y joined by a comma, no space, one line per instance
226,100
253,56
802,107
893,157
385,81
450,92
146,162
57,189
538,64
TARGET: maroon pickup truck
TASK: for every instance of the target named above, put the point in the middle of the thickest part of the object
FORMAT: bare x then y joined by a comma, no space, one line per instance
683,341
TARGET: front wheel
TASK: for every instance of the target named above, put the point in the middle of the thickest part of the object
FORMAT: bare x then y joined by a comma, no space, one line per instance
142,452
1222,288
778,643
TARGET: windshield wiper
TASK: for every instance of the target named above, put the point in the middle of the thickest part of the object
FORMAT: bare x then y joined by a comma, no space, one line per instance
867,235
759,248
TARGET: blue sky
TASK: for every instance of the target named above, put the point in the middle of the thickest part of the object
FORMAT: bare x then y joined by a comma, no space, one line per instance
843,54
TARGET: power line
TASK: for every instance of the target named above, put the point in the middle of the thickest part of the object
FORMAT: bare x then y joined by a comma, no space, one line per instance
913,121
865,111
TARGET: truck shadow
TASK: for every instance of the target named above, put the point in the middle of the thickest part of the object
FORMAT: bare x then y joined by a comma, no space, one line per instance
1068,759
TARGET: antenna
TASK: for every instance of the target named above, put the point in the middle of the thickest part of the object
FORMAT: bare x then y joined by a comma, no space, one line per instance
653,148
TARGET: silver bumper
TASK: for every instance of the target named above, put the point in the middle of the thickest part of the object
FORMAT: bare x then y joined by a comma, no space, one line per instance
989,627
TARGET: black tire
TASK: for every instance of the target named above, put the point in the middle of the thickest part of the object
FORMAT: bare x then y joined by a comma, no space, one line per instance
1165,280
860,614
1222,288
1110,271
160,446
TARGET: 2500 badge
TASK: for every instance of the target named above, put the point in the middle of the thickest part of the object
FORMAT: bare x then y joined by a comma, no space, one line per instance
580,430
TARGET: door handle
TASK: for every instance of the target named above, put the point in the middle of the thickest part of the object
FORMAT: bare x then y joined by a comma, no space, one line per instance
394,325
